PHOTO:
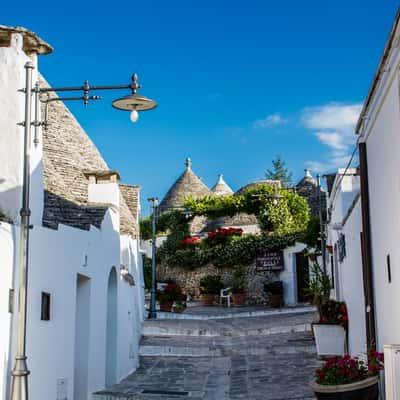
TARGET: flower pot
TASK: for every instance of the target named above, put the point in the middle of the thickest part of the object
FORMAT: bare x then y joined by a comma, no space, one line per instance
363,390
329,339
239,299
165,306
275,300
207,299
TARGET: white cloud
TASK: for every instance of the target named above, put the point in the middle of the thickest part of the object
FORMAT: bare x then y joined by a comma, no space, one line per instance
332,139
333,116
270,120
333,124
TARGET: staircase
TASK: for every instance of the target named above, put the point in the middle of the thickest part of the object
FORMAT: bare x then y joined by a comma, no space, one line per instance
224,358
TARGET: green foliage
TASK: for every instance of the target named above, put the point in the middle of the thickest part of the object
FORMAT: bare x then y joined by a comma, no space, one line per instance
311,235
320,285
237,282
242,250
274,288
211,284
282,221
147,272
286,215
279,172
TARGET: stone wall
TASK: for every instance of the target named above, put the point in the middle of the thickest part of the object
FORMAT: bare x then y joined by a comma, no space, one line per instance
189,280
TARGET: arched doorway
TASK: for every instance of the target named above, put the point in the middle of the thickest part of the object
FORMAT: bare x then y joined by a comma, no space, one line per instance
111,330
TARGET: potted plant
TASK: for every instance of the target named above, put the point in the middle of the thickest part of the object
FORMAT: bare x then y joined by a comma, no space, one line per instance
330,331
274,291
166,297
179,306
210,286
237,286
349,378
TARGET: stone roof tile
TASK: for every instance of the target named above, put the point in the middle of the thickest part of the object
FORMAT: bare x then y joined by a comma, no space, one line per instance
188,184
68,153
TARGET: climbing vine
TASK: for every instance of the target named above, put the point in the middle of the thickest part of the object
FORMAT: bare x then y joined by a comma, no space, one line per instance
282,221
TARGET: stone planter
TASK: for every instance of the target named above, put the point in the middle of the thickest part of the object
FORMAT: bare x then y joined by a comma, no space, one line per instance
238,299
165,306
367,389
275,300
329,339
207,299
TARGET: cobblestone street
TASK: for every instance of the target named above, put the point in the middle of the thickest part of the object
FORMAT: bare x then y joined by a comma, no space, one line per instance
269,357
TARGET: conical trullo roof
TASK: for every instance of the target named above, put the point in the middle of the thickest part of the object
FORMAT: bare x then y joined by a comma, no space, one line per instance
188,184
309,189
221,188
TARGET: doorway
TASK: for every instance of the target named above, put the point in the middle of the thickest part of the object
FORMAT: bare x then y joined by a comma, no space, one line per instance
111,330
82,329
303,277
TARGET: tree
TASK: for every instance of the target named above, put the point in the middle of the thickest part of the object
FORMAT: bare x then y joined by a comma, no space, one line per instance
279,172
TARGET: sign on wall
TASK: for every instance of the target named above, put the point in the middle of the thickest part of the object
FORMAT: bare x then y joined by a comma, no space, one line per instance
271,261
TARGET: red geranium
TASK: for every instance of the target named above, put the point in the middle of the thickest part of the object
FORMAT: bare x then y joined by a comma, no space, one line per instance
222,235
347,369
190,241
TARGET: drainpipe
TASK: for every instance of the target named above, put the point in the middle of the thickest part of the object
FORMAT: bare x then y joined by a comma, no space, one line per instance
366,248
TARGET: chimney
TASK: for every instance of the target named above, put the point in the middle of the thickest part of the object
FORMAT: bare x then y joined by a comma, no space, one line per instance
103,187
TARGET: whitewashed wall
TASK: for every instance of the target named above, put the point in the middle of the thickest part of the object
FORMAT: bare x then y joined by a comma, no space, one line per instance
381,134
289,274
345,205
56,259
12,78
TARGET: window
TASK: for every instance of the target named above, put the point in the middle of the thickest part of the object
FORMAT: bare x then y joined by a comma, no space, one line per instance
45,312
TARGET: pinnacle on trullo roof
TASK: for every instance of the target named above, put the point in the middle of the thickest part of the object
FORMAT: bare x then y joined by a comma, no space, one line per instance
188,184
221,188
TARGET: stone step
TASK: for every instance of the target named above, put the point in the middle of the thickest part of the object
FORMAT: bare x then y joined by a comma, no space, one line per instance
185,346
216,312
250,326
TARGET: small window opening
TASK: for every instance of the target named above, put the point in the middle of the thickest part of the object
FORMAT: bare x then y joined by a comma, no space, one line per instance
389,270
45,313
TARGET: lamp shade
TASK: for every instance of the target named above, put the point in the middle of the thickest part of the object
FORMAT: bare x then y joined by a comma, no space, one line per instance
134,102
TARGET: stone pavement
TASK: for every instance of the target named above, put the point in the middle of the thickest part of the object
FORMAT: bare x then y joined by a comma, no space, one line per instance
269,358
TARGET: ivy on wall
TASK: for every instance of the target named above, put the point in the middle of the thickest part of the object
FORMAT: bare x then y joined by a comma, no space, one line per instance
282,223
240,251
288,214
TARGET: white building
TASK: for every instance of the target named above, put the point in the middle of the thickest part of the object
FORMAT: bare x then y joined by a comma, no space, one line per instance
84,309
344,259
379,144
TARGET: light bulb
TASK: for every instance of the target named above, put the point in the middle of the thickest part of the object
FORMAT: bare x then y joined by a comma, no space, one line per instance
134,116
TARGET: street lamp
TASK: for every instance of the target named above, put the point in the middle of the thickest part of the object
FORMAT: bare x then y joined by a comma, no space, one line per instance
187,214
133,103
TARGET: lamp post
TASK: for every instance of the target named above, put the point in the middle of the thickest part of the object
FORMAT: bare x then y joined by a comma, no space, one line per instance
133,103
187,214
321,224
154,206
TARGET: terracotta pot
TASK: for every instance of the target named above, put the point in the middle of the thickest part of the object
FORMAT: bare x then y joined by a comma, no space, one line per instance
276,300
207,299
367,389
165,306
239,299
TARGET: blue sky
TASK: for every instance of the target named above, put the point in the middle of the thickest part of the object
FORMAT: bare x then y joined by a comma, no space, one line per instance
236,82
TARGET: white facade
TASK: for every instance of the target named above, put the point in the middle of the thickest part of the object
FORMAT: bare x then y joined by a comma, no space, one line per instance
379,129
92,336
344,206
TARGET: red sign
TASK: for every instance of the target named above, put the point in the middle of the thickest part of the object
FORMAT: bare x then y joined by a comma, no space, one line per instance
272,261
